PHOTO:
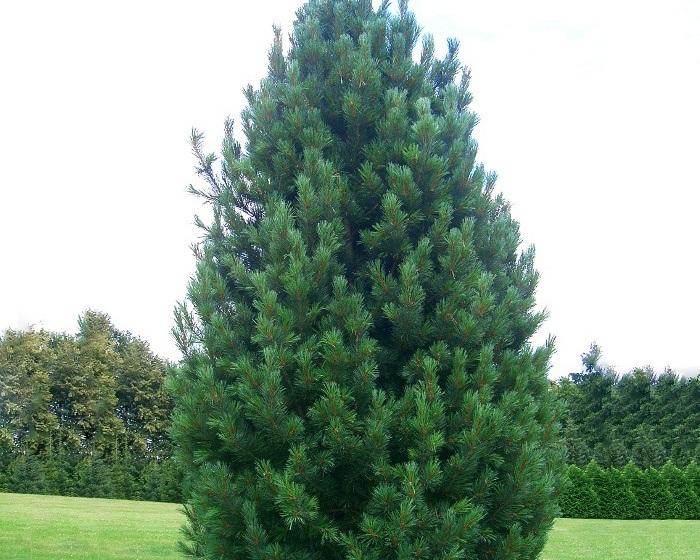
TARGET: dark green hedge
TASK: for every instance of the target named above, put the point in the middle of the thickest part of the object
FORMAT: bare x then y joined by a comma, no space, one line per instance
632,493
90,474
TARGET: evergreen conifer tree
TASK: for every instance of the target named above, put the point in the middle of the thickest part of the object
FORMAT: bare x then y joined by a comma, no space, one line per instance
149,483
57,469
122,477
633,478
169,481
93,476
692,473
7,455
687,430
26,474
685,502
670,417
84,477
579,498
617,501
159,482
648,451
358,381
653,496
577,452
589,404
641,416
631,407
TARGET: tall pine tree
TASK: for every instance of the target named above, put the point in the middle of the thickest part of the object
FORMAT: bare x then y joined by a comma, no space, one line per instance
358,381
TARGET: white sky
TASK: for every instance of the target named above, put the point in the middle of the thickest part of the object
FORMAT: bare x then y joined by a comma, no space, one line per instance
590,114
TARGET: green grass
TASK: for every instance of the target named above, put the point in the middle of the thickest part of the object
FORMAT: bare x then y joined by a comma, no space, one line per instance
606,539
56,528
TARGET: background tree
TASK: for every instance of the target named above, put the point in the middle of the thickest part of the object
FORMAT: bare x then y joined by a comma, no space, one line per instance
143,405
654,496
83,414
687,429
631,493
617,501
639,416
686,504
25,388
580,499
647,449
692,473
358,381
590,403
633,479
631,406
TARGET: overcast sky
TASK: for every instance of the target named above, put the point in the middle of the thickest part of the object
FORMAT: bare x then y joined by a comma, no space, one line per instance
589,112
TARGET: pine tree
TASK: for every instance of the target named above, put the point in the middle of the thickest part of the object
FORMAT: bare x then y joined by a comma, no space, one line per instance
358,381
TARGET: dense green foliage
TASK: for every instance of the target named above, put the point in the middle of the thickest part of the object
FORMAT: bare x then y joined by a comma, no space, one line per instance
84,415
641,416
632,493
94,475
358,381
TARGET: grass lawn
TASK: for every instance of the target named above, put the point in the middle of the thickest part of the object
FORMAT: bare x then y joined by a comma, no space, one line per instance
606,539
56,528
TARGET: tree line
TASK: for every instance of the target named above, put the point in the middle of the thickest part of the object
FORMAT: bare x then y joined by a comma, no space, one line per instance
119,474
642,416
632,493
88,414
84,414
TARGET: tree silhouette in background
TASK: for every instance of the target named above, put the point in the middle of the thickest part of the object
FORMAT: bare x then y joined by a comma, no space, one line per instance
641,416
84,415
